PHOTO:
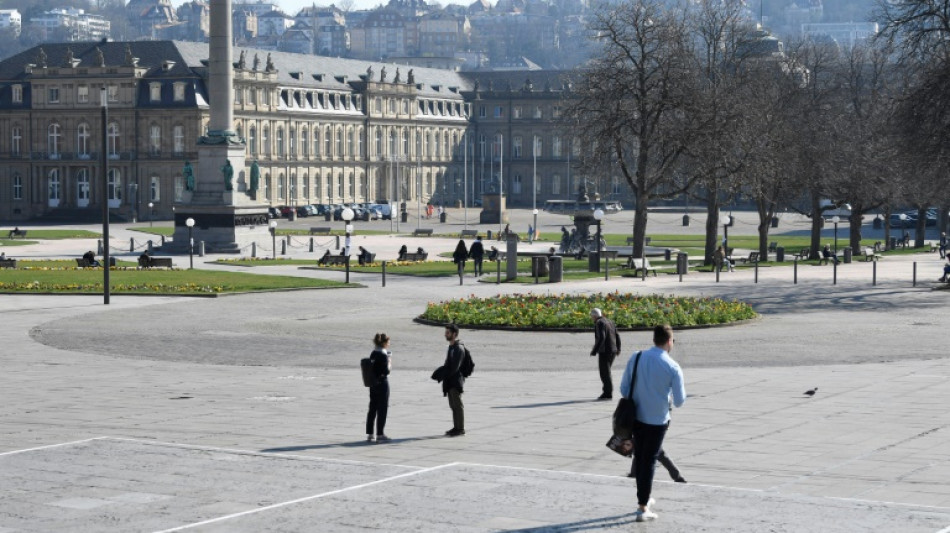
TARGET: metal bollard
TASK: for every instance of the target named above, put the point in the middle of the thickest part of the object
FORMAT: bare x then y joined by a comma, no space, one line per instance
874,273
384,273
311,244
283,247
497,271
717,269
643,273
132,244
795,282
201,249
288,239
163,240
99,247
150,246
915,273
253,249
756,271
834,273
337,241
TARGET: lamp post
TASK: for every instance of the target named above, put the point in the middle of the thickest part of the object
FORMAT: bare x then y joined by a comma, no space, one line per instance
105,197
191,243
598,216
151,214
534,188
273,236
726,221
903,217
347,216
534,230
835,220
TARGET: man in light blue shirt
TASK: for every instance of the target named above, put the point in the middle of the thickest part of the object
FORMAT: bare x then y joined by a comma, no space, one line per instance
658,379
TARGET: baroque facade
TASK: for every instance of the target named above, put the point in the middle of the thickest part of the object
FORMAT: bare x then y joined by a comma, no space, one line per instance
323,130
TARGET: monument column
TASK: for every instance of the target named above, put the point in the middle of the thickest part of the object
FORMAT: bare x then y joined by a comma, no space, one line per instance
226,216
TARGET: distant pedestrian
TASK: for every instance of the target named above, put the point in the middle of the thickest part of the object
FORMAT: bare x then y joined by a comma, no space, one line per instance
477,253
403,250
606,347
453,380
659,378
459,256
946,270
90,258
943,244
379,392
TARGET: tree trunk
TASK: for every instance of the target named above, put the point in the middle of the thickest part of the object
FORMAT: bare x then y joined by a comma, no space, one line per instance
817,222
640,224
712,226
854,226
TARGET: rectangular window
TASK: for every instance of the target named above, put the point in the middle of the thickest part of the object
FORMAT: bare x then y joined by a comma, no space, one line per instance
155,139
53,93
556,147
557,112
482,111
516,148
113,92
17,138
180,92
537,111
179,188
17,187
556,184
155,190
17,94
499,111
516,112
179,138
82,94
155,92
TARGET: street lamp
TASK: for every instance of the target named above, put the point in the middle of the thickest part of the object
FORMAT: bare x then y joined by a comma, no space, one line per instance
347,216
535,226
726,221
151,214
191,243
835,220
105,197
598,216
903,217
273,236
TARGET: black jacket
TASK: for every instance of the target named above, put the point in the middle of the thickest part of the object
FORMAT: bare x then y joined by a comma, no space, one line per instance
606,338
477,251
380,364
453,378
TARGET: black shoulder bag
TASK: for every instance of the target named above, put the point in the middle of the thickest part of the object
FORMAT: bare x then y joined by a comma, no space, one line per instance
625,416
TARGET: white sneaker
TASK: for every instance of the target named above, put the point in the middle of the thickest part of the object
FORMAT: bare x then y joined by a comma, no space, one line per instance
370,438
646,516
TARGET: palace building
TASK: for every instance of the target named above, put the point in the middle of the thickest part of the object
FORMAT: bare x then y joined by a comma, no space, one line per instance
323,130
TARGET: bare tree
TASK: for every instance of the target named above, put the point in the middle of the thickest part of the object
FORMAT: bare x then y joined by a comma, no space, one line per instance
630,103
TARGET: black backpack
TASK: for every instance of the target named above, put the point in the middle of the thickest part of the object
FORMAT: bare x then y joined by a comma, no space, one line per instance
468,365
369,374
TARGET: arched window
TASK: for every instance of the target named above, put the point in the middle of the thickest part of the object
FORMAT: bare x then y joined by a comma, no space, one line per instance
359,142
445,144
317,186
392,142
306,186
114,185
349,141
82,141
379,142
54,186
304,143
328,142
352,181
292,143
154,189
53,140
316,141
267,187
112,140
437,149
405,142
339,143
281,187
82,187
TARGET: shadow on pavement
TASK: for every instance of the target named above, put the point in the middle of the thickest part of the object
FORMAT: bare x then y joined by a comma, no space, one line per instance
549,404
594,523
351,444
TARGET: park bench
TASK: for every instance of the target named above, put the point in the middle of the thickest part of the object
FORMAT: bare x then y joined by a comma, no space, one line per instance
14,233
156,262
416,256
641,265
803,254
870,255
933,246
370,259
82,262
630,241
823,260
422,231
320,230
752,258
7,263
332,260
468,233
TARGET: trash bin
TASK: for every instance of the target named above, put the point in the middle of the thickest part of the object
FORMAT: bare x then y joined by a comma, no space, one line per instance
488,235
442,217
555,268
328,215
878,222
780,254
774,222
847,254
682,263
539,266
111,260
668,254
893,244
404,216
686,220
593,261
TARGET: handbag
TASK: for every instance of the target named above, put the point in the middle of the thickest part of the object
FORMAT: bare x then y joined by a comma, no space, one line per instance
624,418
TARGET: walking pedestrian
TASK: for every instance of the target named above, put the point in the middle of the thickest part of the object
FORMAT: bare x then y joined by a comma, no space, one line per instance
659,378
379,392
606,347
453,380
477,253
458,257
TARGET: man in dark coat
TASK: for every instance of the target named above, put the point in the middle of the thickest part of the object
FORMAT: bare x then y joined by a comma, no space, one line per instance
606,348
477,253
453,380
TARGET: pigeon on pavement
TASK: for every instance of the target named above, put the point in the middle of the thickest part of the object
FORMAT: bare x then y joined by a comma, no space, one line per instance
811,392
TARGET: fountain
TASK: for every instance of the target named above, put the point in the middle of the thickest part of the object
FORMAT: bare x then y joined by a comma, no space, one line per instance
582,212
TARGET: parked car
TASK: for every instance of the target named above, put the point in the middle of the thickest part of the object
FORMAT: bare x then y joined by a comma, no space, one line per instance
273,212
286,210
306,211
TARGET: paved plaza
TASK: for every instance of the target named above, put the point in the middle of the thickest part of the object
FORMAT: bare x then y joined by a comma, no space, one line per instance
245,412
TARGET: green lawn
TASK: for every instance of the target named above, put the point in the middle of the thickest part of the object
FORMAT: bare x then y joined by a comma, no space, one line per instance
63,277
46,234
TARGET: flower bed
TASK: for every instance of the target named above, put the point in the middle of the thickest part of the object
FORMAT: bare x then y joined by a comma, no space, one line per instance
570,312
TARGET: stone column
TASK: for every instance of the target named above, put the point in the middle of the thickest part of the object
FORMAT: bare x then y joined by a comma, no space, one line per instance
221,69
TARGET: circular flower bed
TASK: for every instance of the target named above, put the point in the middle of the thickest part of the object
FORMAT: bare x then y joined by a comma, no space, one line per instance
570,312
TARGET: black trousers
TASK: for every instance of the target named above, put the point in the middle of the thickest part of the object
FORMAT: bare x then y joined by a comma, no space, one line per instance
378,407
458,409
664,460
605,362
647,444
478,265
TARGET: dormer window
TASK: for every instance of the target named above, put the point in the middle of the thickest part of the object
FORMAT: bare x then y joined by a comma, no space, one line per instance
17,94
179,91
155,92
